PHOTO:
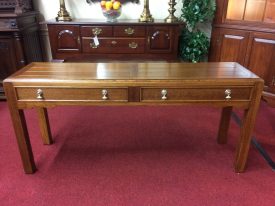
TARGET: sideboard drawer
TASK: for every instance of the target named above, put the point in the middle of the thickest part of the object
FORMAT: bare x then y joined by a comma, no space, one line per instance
100,31
63,94
114,45
196,94
129,31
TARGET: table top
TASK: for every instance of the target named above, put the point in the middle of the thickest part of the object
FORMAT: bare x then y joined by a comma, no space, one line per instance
129,71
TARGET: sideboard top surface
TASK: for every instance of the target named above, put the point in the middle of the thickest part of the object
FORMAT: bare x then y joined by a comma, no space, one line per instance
119,22
115,71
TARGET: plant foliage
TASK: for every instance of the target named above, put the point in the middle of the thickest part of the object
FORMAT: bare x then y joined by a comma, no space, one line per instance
194,44
197,11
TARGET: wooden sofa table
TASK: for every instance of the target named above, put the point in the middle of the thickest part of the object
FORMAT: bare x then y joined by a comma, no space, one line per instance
42,85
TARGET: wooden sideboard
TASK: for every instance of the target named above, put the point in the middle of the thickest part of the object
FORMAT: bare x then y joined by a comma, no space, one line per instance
122,40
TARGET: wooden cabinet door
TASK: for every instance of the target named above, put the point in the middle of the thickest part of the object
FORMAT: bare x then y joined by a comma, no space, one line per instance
228,45
160,39
7,61
261,56
7,56
64,39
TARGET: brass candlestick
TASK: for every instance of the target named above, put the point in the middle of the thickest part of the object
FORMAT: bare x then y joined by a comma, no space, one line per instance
171,18
18,7
63,14
146,16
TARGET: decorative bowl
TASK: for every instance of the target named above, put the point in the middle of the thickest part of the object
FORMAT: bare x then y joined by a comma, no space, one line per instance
111,14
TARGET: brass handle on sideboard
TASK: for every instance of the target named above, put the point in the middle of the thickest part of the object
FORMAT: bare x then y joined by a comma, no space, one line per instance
39,94
227,93
133,45
129,31
96,31
164,94
92,45
78,40
104,94
113,42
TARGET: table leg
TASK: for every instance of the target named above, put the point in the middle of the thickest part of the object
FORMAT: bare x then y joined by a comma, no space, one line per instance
44,126
21,131
224,125
256,144
247,126
244,141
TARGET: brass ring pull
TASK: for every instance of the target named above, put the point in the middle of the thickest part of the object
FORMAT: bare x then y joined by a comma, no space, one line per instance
104,94
164,94
129,31
114,42
92,45
133,45
96,31
39,94
227,93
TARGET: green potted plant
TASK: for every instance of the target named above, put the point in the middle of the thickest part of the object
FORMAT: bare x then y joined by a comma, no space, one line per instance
194,43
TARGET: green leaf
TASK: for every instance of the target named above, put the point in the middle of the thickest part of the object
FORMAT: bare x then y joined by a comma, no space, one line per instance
193,45
195,11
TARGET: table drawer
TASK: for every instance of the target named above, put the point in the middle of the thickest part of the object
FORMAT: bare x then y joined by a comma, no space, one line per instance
100,31
129,31
193,94
62,94
114,45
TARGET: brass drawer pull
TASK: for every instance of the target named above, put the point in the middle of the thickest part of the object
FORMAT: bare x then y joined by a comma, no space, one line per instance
164,94
129,31
92,45
104,94
227,93
133,45
39,94
96,31
114,42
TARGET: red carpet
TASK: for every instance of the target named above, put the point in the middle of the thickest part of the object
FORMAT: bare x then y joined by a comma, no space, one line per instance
135,156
